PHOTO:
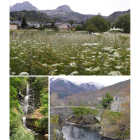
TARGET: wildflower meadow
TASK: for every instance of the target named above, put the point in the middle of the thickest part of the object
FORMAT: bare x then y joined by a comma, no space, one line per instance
69,53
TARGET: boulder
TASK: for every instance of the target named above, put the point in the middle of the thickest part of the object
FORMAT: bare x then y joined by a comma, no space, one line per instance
96,127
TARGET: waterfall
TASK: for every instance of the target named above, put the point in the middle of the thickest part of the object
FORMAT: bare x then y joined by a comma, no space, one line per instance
26,101
26,105
27,91
33,101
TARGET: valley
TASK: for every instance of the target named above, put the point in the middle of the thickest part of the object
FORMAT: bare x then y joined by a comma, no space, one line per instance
84,112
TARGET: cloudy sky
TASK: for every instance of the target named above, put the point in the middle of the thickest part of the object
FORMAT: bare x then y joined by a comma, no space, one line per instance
104,80
104,7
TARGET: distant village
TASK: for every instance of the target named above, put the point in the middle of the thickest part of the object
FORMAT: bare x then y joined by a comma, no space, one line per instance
15,25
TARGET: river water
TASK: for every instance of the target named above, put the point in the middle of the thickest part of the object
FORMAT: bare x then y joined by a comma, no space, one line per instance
71,132
39,137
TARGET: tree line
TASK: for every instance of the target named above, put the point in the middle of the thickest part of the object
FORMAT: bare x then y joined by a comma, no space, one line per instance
100,24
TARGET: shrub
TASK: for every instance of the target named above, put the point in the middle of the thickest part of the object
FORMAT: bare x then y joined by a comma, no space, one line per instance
54,119
55,28
79,28
42,124
11,32
79,111
41,27
107,100
92,28
22,134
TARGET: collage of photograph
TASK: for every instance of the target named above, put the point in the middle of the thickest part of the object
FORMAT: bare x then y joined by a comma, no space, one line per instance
69,70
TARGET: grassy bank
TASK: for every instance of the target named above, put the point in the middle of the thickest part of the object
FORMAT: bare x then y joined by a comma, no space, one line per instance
17,129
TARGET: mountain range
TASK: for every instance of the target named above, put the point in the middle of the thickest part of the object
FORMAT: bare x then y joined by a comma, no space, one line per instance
63,13
65,88
115,15
86,97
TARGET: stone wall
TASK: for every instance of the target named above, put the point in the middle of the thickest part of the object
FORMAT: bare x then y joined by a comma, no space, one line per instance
63,112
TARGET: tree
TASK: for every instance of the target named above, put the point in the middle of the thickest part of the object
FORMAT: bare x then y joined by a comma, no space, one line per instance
99,23
87,23
92,28
82,23
112,25
107,100
41,27
109,24
123,22
23,24
52,25
44,102
39,83
71,21
55,28
79,28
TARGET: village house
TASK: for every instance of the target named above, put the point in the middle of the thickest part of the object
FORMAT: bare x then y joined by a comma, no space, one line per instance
48,25
36,25
72,28
63,26
13,26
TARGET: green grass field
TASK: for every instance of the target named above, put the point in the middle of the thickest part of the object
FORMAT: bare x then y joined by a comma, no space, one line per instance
69,53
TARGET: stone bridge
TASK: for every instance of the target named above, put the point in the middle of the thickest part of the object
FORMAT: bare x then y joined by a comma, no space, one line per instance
65,113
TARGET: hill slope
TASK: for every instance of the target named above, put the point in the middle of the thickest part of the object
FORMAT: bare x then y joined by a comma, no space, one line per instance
115,15
30,16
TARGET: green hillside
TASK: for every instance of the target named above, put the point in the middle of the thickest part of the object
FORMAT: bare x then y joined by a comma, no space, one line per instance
30,16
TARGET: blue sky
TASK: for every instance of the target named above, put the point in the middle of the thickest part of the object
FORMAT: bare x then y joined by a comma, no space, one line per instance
104,7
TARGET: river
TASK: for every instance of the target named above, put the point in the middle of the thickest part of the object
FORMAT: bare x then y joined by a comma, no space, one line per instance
39,137
71,132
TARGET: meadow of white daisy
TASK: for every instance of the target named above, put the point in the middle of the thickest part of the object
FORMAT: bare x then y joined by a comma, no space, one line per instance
69,53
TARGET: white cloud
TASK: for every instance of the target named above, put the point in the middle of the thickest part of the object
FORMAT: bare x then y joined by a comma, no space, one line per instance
104,80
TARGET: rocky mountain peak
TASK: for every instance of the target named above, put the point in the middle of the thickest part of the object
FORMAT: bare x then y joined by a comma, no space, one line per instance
64,8
23,6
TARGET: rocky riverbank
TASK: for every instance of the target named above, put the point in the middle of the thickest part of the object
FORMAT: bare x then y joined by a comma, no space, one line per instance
86,121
